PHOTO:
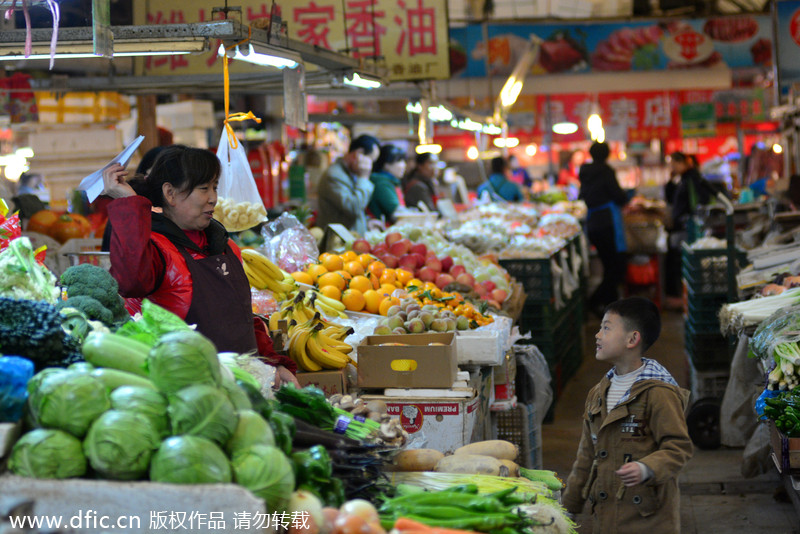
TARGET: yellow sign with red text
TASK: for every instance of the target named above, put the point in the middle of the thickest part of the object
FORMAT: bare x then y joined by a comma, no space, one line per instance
407,37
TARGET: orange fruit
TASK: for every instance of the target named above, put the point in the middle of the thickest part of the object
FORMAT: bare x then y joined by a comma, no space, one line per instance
331,292
372,301
353,300
361,283
315,271
332,279
376,268
347,276
403,276
354,267
388,276
303,278
416,282
348,256
332,262
323,256
386,289
387,303
365,259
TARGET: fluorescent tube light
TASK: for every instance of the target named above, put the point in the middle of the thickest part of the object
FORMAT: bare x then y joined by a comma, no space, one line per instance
565,128
263,56
432,148
363,83
68,50
509,142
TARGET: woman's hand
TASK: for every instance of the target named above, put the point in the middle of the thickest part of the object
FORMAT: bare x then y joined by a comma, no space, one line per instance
283,376
114,184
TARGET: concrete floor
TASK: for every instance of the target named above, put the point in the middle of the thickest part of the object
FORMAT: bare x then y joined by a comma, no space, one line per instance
715,498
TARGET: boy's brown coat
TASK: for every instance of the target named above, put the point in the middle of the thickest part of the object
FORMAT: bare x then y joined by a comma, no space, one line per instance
648,427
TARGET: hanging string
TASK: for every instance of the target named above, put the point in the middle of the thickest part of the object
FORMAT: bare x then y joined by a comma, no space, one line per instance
28,31
234,117
56,11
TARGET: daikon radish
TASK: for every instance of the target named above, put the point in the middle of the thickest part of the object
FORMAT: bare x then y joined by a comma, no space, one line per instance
496,448
471,464
513,468
417,460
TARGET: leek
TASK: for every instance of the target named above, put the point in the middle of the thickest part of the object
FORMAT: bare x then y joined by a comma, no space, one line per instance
486,483
737,316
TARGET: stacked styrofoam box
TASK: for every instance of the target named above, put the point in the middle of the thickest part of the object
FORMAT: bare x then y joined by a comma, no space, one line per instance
188,121
612,8
514,9
571,9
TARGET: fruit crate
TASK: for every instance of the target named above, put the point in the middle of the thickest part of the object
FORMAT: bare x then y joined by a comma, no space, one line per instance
518,426
708,352
706,270
535,275
707,384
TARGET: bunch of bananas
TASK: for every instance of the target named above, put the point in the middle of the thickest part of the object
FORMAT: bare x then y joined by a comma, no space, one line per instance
263,274
314,342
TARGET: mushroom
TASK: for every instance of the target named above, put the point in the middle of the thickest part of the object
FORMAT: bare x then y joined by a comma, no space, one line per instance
375,416
335,398
377,406
360,409
385,417
346,403
387,431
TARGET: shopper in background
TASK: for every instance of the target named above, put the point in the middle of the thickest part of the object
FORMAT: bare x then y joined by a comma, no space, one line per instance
344,189
387,173
181,258
570,167
635,440
420,184
604,225
519,175
499,185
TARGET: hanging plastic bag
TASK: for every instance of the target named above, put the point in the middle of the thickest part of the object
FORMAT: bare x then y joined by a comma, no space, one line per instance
239,206
289,244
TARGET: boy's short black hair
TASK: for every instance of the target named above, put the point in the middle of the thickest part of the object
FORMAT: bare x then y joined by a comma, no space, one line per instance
499,165
365,142
641,315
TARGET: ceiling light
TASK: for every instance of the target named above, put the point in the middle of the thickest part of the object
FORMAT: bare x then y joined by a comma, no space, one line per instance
472,152
431,148
263,55
565,128
510,92
491,129
777,148
75,50
594,122
509,142
361,82
531,150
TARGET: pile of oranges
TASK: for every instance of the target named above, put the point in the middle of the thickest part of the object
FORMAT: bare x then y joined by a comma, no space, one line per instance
364,284
360,282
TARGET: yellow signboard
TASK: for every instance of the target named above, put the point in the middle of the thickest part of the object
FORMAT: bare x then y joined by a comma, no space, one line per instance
408,37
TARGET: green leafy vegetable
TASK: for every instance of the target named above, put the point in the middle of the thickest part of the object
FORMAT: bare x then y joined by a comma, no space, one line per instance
266,472
23,277
202,411
154,323
47,454
251,429
68,401
181,359
145,401
189,460
119,444
87,280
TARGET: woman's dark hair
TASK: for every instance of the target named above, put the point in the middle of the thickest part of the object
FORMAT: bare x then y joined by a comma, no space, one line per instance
365,142
389,154
499,165
148,159
679,157
599,152
183,167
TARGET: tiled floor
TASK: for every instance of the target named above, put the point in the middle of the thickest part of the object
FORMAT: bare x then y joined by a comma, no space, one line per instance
715,498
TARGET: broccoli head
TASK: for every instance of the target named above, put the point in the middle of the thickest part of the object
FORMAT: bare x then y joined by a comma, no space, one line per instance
90,307
92,281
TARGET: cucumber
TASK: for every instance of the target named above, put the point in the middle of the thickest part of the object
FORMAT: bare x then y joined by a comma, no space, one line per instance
113,351
113,379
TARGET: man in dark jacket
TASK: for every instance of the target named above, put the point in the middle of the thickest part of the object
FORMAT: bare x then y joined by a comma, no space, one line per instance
604,226
420,184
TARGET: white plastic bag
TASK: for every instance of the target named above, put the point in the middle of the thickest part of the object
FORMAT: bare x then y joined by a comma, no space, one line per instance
239,205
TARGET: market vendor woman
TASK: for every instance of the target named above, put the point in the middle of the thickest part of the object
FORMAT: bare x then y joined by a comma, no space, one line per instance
181,258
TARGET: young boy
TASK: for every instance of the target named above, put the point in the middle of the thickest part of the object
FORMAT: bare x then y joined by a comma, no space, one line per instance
634,439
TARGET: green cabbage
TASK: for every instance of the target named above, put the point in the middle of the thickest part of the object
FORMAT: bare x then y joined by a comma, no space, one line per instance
266,472
202,411
68,401
145,401
236,394
181,359
35,382
252,429
47,454
189,460
119,444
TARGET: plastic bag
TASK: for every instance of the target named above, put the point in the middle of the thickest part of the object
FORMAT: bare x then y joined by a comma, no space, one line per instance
289,244
239,205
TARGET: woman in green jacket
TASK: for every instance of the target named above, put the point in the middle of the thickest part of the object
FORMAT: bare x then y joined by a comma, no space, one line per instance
386,174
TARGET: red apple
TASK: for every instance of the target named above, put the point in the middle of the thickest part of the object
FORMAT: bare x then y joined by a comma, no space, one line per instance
443,280
393,237
380,248
447,263
418,259
493,303
407,262
389,260
430,254
420,249
434,264
426,274
400,248
499,295
457,269
489,285
362,246
465,279
481,291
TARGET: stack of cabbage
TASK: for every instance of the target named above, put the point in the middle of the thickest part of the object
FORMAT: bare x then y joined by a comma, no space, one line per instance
181,419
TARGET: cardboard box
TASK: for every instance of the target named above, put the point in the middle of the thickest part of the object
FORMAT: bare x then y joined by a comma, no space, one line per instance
414,364
444,424
479,347
786,450
330,382
507,370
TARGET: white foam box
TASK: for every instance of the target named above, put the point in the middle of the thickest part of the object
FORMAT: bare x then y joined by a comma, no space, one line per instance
479,347
187,114
445,422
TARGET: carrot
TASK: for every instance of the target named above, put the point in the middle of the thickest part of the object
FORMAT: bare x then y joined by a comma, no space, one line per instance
408,526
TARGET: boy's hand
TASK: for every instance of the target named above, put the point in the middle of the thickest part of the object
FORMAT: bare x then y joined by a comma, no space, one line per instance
630,473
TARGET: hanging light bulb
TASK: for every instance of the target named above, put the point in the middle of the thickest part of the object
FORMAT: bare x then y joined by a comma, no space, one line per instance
472,153
531,149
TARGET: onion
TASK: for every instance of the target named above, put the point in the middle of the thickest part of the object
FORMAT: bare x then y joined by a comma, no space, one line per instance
361,508
305,501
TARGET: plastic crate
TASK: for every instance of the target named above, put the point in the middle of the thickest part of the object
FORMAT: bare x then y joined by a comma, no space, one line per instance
534,274
706,270
708,352
707,282
707,384
702,323
518,426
